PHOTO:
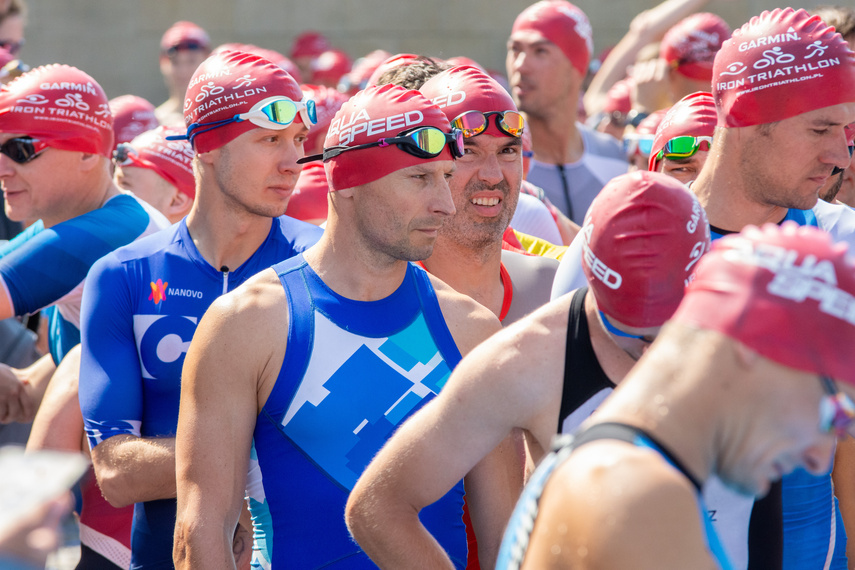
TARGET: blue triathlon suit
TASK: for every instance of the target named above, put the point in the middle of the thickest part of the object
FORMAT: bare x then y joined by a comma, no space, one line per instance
518,532
141,306
46,267
353,372
813,531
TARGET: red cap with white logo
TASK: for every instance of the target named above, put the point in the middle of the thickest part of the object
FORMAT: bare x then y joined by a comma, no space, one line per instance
372,114
172,160
781,64
691,45
563,24
464,88
227,84
694,116
309,200
786,292
61,106
641,241
132,116
182,33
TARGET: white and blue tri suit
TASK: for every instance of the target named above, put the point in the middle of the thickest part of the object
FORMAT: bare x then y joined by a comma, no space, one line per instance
141,306
46,267
353,372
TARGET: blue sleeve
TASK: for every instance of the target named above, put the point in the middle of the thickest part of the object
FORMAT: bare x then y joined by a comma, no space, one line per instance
111,391
45,265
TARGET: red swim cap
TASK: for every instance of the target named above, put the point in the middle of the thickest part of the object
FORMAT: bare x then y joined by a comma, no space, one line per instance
132,116
172,160
309,44
357,79
691,45
463,60
694,115
270,55
309,200
182,33
372,114
227,84
619,97
327,103
61,106
563,24
464,88
641,240
330,66
651,122
787,292
781,64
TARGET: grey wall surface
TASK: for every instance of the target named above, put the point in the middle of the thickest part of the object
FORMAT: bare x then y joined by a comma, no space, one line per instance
117,41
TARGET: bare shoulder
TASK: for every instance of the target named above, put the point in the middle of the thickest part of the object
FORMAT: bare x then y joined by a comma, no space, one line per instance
469,322
618,494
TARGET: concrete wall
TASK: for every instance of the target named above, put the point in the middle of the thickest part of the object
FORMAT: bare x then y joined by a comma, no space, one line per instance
116,41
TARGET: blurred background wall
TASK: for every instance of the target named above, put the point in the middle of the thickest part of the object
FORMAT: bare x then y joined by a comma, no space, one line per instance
117,41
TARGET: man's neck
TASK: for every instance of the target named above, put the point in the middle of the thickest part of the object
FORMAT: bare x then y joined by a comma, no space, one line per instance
474,273
614,361
353,268
556,138
105,189
223,237
726,199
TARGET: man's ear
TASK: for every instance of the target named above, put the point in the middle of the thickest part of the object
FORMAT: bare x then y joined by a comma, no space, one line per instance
179,205
89,161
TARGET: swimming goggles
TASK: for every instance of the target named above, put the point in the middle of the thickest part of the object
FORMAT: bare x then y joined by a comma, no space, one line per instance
836,410
617,332
637,144
474,123
683,147
23,149
274,113
422,142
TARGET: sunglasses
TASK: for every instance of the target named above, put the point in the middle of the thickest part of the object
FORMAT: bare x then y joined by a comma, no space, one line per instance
617,332
125,154
274,113
836,411
23,149
186,46
637,144
473,123
422,142
683,147
12,47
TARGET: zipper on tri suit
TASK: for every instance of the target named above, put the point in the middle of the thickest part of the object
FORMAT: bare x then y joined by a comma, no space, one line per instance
225,271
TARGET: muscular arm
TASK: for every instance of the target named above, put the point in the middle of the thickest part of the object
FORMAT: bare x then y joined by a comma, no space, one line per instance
129,468
58,424
508,382
231,365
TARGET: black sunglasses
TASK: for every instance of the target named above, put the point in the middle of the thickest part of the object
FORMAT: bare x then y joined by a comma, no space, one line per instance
23,149
422,142
188,46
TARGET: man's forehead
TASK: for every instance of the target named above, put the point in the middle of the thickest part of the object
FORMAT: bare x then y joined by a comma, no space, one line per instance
490,140
530,38
841,114
432,167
